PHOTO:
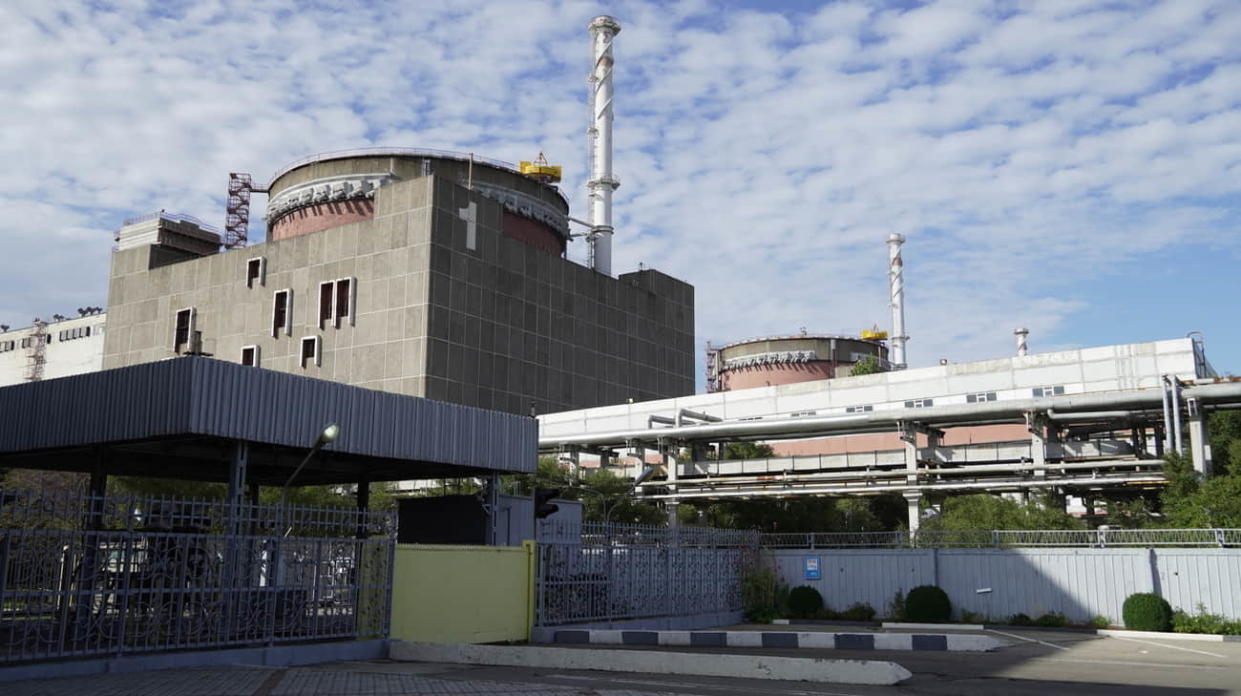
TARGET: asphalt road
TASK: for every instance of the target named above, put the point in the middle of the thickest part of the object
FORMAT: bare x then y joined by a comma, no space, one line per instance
1035,662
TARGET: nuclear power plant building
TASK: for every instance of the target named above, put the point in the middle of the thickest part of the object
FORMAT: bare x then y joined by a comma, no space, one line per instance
416,272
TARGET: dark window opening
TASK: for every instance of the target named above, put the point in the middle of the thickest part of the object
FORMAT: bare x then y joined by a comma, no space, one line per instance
254,272
310,350
325,303
280,312
184,325
250,356
344,289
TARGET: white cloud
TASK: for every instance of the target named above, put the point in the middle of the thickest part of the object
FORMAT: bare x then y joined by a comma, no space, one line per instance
764,155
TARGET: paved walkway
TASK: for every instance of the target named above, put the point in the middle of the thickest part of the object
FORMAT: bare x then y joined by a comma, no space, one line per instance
335,679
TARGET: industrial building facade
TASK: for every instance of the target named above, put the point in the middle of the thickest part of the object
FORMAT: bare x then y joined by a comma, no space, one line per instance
427,275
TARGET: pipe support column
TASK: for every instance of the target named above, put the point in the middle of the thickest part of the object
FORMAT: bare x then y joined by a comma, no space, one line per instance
1199,438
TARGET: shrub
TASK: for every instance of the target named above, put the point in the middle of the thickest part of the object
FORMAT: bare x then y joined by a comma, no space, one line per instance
1100,622
859,611
1202,622
1144,611
927,603
1020,619
781,603
804,602
896,608
1052,620
758,593
972,617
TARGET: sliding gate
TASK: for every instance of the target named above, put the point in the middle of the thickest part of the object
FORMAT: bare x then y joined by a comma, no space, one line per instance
83,576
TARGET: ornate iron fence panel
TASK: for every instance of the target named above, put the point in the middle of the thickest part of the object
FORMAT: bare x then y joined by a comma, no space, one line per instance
83,576
1092,538
595,572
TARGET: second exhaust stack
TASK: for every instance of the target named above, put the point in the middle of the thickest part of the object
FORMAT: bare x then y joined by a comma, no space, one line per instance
601,185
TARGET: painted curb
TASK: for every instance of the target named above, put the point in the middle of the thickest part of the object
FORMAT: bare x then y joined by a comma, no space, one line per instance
1204,637
781,639
871,672
932,626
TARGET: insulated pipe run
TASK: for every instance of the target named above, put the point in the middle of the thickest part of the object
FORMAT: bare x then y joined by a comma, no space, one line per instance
603,30
1167,416
1176,415
896,280
961,414
686,414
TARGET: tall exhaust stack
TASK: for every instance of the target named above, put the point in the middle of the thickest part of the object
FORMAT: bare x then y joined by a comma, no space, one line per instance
896,279
1021,334
603,29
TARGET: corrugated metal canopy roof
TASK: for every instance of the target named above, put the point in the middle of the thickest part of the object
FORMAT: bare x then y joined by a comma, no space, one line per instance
180,418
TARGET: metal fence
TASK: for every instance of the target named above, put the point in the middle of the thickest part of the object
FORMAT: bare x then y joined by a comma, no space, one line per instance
597,573
1093,538
84,576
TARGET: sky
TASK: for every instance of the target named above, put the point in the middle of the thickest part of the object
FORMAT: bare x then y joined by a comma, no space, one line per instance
1072,167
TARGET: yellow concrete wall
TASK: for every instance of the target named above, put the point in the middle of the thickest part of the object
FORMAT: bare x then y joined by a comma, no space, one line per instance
463,594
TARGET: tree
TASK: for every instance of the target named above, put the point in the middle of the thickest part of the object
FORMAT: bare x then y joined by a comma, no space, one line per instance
868,365
986,511
747,450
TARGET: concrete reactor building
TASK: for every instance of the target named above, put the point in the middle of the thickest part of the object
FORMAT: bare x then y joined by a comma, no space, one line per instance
420,272
424,274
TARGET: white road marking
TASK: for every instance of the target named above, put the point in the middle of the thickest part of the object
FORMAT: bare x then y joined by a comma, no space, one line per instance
1171,647
1028,640
688,685
1129,662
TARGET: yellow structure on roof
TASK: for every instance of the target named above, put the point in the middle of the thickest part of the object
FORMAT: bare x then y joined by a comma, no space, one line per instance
539,169
874,334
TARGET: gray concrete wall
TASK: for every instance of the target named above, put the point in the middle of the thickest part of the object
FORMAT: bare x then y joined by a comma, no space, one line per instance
1080,583
503,325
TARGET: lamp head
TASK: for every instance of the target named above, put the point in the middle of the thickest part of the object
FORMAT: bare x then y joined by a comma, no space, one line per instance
329,434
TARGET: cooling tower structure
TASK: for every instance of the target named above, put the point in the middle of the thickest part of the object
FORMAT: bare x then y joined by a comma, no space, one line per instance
775,360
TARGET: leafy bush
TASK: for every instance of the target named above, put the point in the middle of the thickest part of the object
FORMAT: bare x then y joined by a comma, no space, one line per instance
1100,622
972,617
1020,619
1052,620
781,599
804,602
896,608
758,594
859,611
1202,622
927,603
1144,611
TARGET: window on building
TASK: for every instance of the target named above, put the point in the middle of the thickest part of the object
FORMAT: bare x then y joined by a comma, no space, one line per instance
860,409
184,329
920,403
6,346
800,414
1049,391
256,272
282,313
310,351
250,356
326,303
344,300
979,398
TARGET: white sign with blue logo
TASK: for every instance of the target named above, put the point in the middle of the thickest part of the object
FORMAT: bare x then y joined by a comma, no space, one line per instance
812,568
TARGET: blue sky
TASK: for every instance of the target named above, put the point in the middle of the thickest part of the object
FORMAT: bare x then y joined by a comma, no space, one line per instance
1073,167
